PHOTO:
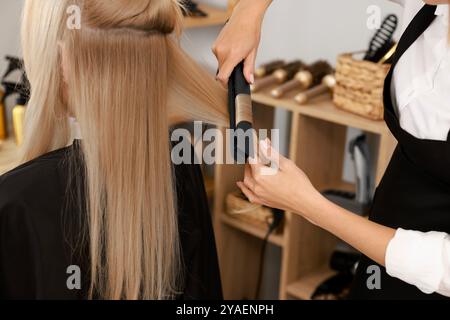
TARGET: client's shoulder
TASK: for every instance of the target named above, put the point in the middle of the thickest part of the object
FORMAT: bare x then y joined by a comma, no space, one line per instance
32,180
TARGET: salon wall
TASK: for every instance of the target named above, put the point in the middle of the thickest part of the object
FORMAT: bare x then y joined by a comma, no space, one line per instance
9,29
301,28
10,19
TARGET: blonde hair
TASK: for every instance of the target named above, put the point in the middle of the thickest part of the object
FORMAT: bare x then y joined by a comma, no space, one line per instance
127,82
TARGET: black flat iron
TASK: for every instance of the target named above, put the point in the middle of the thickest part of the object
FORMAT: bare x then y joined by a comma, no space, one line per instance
241,115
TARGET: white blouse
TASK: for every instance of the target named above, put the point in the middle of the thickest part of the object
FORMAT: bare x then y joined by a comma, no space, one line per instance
422,100
421,78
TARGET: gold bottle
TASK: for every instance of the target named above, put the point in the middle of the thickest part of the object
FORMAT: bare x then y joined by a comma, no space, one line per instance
14,64
18,114
3,127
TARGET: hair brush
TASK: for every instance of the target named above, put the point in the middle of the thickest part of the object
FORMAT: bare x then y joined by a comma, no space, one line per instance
269,68
382,40
327,84
308,77
279,76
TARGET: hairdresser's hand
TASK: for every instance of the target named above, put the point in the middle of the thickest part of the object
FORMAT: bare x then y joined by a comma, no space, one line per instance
239,39
288,188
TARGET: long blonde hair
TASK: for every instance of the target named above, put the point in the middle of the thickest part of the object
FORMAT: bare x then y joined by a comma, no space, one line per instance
127,82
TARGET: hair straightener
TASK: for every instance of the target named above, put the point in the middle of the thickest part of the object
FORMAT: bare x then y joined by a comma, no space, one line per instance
241,115
241,121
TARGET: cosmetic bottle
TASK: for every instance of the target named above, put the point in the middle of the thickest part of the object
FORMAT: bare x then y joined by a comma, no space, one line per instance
18,114
9,88
13,65
3,126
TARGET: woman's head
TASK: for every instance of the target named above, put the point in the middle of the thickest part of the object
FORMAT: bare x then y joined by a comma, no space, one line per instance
126,81
162,16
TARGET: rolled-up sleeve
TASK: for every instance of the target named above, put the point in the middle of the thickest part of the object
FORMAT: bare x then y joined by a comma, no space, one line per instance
420,259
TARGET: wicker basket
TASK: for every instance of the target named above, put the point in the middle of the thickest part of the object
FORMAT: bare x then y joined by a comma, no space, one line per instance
238,207
359,86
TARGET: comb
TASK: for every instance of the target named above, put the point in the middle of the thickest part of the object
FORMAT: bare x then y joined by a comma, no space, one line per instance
382,40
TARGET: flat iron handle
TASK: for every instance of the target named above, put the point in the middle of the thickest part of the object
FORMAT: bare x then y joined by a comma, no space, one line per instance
241,113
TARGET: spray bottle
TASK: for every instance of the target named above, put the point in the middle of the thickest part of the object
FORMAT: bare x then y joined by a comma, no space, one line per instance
18,112
3,124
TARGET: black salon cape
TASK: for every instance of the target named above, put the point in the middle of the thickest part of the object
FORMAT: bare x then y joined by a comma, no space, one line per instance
36,234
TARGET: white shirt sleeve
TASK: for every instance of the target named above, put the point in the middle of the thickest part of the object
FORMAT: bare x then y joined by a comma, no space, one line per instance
420,259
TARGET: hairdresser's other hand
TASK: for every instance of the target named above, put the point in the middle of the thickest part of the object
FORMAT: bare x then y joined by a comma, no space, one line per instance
287,188
239,39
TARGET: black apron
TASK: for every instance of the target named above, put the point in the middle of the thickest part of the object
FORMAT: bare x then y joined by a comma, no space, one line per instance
414,193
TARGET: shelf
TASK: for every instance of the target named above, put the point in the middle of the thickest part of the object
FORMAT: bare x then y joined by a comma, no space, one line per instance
305,286
276,239
215,17
324,109
8,155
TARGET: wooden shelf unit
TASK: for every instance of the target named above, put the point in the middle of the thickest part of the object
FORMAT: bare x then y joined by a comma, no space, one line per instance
304,288
317,145
276,238
215,16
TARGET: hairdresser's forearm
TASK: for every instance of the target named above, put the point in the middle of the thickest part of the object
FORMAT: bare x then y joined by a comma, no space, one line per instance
254,7
370,238
251,10
239,39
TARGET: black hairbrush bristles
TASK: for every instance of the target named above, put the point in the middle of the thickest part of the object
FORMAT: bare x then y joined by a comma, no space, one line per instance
319,70
293,67
269,68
